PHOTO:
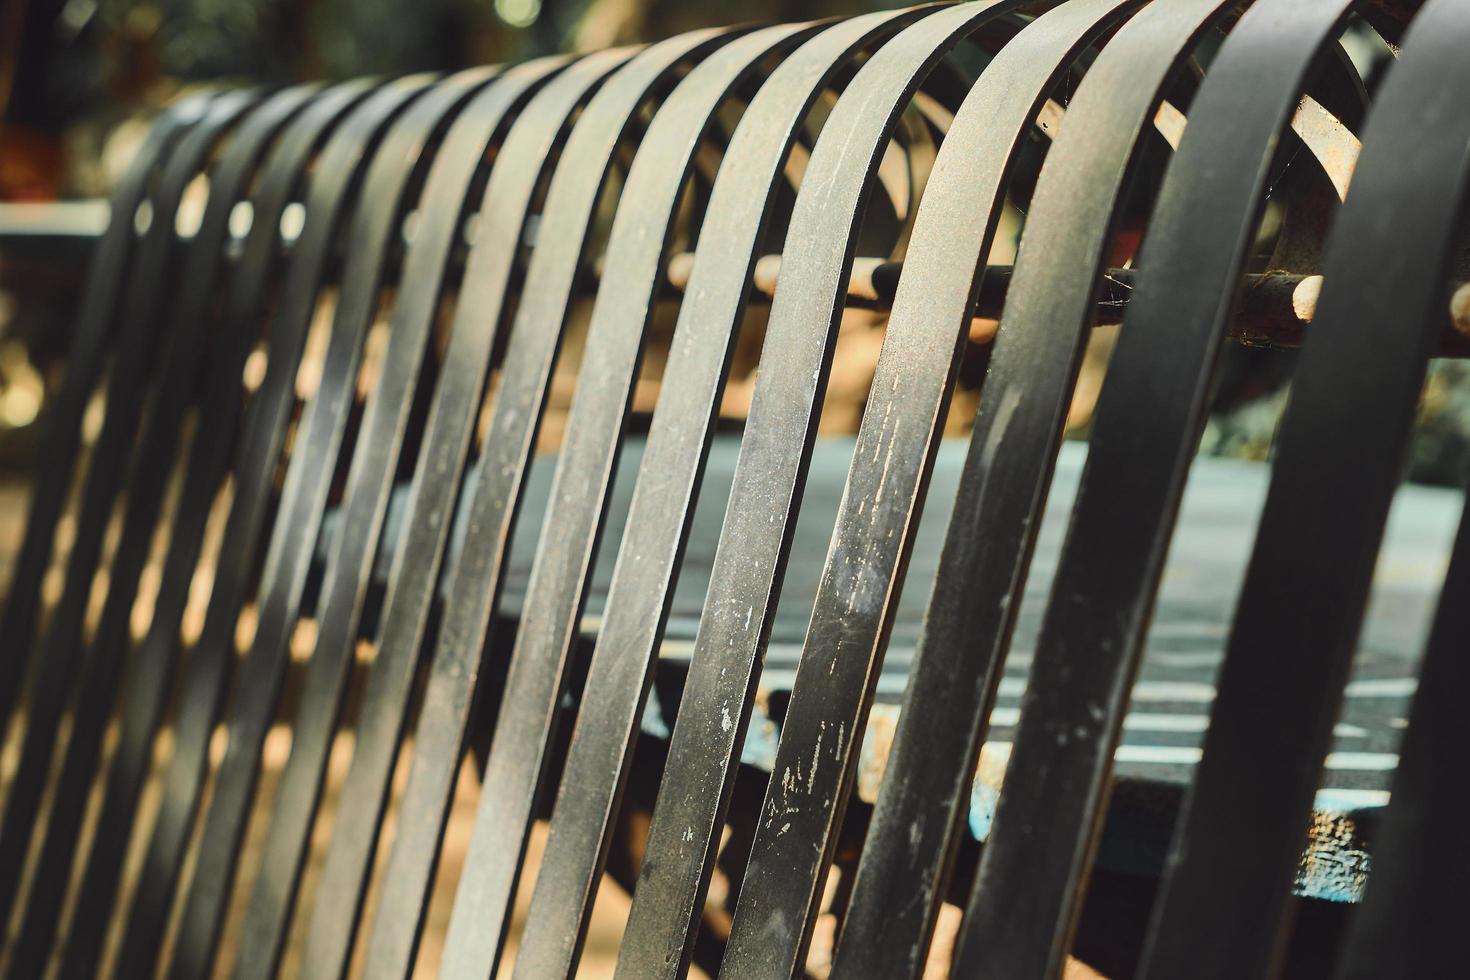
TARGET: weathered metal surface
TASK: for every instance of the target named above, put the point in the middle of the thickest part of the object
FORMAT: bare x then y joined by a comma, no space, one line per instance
1028,387
95,338
517,755
1086,657
374,457
821,694
260,441
219,398
130,375
452,176
303,496
557,591
521,165
926,332
1339,454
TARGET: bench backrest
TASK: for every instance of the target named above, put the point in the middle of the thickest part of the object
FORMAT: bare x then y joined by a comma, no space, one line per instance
447,235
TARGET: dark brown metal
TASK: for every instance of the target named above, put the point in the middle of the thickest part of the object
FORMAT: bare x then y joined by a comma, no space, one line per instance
522,163
287,561
94,340
454,173
219,400
912,837
516,762
557,592
132,371
374,461
1338,461
341,162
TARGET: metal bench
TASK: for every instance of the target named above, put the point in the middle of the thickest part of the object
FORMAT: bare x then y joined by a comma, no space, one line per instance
313,506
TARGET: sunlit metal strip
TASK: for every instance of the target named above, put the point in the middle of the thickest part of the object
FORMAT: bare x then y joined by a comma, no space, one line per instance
913,833
1017,431
233,336
457,170
1412,919
303,497
375,449
130,374
1339,458
1144,438
93,341
328,197
730,232
522,162
560,577
481,914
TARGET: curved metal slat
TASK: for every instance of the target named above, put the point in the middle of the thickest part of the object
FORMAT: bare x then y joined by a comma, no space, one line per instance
1339,459
458,165
596,765
521,163
572,527
912,837
514,768
375,452
90,345
288,557
1412,918
1033,861
340,164
1145,433
663,504
129,376
219,400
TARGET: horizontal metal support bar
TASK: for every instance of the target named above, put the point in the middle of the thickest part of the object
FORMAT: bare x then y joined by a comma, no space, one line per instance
1274,310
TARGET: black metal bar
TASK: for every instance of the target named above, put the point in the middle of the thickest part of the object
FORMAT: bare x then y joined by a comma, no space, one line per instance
522,162
281,176
129,377
1338,461
560,578
777,445
92,342
340,163
912,837
303,497
1144,438
456,172
513,770
376,447
1412,918
1030,862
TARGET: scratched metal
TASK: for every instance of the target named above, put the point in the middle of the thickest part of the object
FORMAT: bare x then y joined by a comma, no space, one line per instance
374,461
481,913
133,368
1044,325
92,342
1339,457
557,591
287,560
698,363
774,455
521,164
658,523
913,833
328,197
1144,437
456,171
1412,919
219,401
